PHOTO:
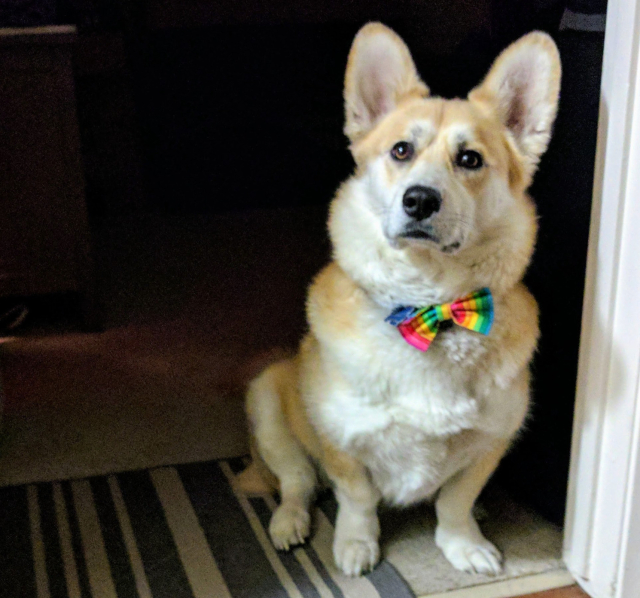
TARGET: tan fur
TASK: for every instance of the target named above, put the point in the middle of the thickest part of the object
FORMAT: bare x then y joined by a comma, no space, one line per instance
408,85
359,405
257,479
494,98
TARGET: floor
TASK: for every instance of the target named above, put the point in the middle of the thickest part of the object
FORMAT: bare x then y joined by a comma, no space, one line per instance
568,592
188,319
184,331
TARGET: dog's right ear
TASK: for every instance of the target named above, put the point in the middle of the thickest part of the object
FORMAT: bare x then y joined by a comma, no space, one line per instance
522,89
380,74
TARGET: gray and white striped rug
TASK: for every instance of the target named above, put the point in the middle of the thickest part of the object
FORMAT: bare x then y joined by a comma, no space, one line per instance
170,532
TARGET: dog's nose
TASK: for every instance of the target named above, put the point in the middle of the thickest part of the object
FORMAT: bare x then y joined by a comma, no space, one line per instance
420,202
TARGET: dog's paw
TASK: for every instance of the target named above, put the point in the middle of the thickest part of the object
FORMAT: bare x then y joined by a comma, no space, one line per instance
473,555
355,557
289,526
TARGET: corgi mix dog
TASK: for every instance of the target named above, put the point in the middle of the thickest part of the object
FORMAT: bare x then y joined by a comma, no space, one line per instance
432,234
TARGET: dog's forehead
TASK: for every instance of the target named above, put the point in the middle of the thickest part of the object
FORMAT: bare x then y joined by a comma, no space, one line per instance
423,121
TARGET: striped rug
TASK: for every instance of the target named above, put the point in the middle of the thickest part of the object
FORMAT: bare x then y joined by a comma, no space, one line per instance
170,532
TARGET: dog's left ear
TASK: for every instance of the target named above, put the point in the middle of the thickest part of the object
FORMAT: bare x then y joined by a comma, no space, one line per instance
522,87
380,74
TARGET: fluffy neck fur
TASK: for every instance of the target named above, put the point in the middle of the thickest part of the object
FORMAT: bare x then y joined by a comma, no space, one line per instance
421,275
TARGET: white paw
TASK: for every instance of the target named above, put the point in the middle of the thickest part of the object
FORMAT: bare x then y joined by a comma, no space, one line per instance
466,553
289,526
355,557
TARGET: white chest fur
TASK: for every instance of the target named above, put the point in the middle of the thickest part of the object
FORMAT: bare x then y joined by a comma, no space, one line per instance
409,416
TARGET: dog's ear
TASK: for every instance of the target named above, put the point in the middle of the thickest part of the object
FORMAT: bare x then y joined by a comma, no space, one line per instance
522,87
380,74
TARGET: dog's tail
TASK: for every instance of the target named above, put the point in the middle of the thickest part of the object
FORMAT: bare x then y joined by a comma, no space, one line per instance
257,478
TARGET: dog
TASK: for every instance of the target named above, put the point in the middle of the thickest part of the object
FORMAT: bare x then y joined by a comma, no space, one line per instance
384,402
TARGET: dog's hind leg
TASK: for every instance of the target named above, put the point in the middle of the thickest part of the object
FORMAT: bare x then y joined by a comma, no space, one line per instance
282,453
457,533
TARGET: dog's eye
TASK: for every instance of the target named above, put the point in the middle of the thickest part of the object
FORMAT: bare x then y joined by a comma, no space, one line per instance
402,151
469,159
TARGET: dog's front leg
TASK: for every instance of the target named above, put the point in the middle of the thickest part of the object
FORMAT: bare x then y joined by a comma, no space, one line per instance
355,546
458,534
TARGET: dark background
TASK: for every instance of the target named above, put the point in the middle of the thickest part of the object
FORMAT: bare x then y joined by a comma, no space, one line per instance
199,107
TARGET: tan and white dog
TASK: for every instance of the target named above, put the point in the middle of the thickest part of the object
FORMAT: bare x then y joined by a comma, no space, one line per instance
437,208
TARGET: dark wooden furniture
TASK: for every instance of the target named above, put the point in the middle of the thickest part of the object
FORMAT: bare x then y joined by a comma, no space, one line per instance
44,235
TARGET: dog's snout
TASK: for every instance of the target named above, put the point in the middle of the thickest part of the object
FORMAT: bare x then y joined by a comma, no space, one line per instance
421,202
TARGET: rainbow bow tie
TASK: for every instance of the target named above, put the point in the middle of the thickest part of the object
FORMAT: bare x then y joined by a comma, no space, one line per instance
419,325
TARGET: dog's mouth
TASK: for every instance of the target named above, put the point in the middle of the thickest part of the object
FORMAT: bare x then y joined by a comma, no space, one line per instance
427,235
420,234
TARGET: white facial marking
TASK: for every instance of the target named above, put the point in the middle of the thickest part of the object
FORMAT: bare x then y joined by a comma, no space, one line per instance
422,132
460,135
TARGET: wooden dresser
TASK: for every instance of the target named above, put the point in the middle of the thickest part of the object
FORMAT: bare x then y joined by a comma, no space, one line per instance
44,235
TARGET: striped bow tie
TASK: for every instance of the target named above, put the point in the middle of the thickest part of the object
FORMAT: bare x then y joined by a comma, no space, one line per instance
419,325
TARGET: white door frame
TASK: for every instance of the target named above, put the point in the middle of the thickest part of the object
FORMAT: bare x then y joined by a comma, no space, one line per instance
602,532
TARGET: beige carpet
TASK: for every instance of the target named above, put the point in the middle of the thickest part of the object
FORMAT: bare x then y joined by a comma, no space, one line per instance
82,405
530,545
193,307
